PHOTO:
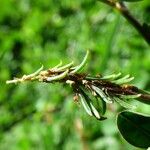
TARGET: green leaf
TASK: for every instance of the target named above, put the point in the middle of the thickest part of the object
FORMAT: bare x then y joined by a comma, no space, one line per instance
135,128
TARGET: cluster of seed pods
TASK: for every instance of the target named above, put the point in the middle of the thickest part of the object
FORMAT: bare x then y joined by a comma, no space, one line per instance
94,92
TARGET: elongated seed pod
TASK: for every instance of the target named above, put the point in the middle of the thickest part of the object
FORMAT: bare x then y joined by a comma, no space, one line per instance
88,106
130,96
111,77
94,111
102,104
57,77
65,67
25,77
102,94
123,80
13,81
35,73
80,67
123,103
85,105
92,78
57,66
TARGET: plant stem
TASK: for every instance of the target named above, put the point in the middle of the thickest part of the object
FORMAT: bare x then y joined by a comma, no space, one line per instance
145,32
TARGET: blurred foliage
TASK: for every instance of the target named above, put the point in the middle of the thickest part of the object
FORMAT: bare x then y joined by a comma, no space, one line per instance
35,32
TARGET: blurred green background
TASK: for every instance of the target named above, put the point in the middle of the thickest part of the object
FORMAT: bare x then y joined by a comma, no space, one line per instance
38,116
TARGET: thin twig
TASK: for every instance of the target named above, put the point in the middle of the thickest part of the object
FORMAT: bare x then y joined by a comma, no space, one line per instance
120,6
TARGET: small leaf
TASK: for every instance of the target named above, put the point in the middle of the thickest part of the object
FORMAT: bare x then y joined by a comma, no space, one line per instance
135,128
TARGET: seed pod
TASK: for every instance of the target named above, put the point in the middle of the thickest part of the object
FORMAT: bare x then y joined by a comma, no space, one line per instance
111,77
83,63
102,94
57,77
64,67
